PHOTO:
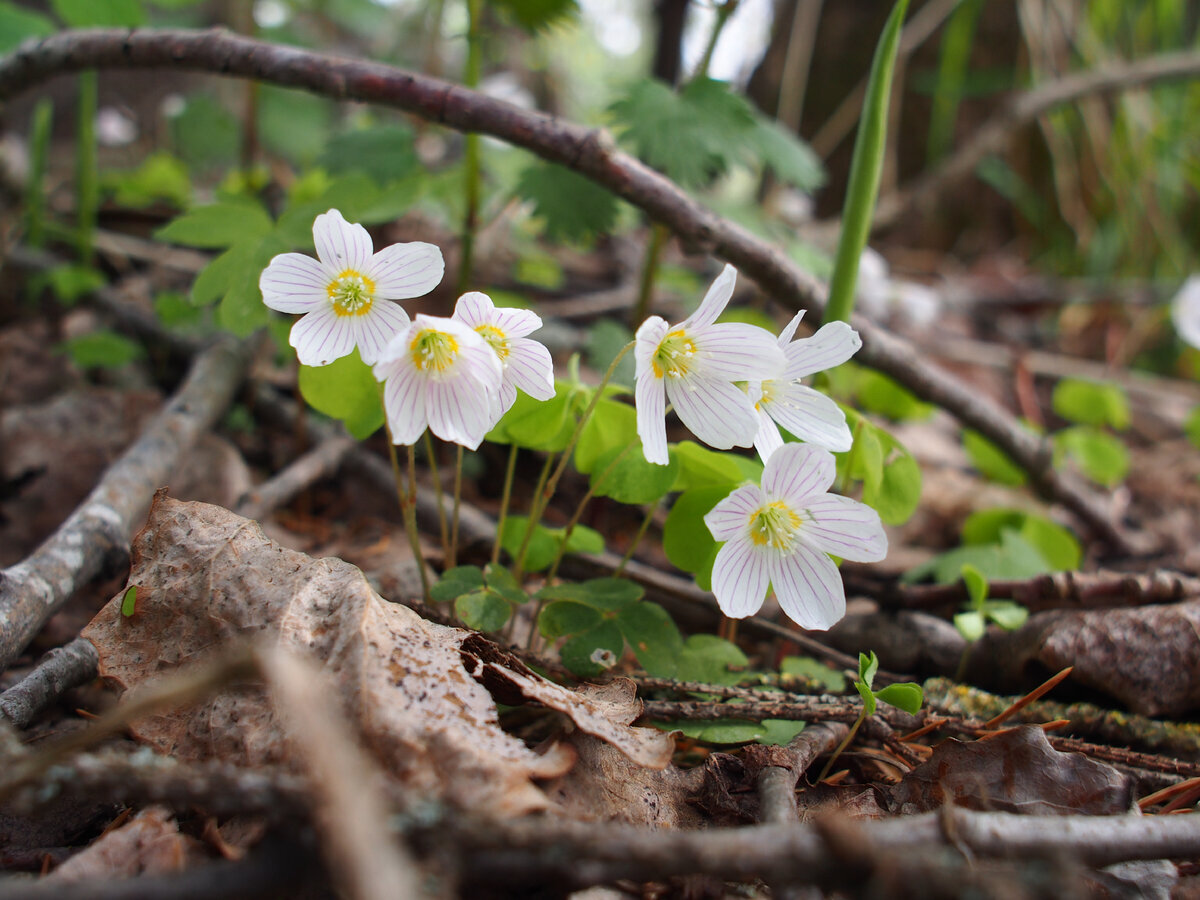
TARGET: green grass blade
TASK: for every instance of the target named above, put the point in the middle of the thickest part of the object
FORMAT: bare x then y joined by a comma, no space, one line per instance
953,59
865,169
39,155
87,180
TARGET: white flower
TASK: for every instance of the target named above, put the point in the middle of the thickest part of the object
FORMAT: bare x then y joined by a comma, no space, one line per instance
694,365
1185,311
527,364
439,374
345,293
806,413
780,534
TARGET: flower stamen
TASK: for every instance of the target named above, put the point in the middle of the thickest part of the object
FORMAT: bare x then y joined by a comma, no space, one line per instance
351,293
673,356
775,525
433,351
496,339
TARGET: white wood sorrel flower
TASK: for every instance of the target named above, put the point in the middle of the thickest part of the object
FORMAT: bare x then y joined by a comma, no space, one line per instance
527,364
806,413
779,534
694,365
345,294
439,373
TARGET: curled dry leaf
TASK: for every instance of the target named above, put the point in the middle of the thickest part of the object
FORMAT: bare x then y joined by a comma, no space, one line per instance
416,690
150,843
1016,771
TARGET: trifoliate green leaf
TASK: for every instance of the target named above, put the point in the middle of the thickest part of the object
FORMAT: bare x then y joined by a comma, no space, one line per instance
594,651
1055,543
1091,403
650,631
483,610
223,224
709,659
456,582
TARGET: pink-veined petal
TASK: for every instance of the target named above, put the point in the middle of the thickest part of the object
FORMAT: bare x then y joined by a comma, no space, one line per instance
474,308
731,516
789,330
650,399
810,416
516,323
845,528
832,345
796,472
808,587
404,400
739,578
460,409
295,283
714,301
649,335
505,399
530,368
735,351
717,412
767,439
340,244
402,271
375,330
322,336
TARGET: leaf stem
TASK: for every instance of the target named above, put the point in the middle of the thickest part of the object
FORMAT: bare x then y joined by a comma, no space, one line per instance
505,498
543,477
35,186
452,555
723,11
408,509
862,717
578,514
637,538
441,498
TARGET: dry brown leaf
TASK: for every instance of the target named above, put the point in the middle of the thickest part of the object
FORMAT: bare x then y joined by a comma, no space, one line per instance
208,578
1016,771
150,843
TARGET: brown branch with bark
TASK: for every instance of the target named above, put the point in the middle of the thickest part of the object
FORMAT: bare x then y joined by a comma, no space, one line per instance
590,152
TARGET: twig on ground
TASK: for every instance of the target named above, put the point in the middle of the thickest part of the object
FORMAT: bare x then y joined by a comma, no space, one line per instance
56,673
322,461
588,151
776,783
35,588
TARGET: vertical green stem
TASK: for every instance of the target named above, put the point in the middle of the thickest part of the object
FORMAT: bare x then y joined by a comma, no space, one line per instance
637,539
474,69
534,515
505,498
452,556
658,239
862,717
578,514
441,502
724,11
35,187
408,509
87,183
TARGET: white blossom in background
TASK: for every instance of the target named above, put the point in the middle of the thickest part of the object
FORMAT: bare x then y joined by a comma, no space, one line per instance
1185,311
527,364
694,366
346,294
440,374
806,413
781,534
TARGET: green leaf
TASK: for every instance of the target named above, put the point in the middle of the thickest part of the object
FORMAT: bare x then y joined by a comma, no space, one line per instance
500,580
573,209
605,339
71,281
1054,542
709,659
18,24
865,168
1011,557
882,395
232,267
868,665
160,177
543,545
970,625
222,224
652,634
242,311
1099,455
977,585
691,135
721,731
779,732
293,123
566,617
205,134
384,152
687,542
700,467
612,426
102,350
604,594
899,491
346,390
175,311
1091,403
535,15
456,582
812,671
790,158
906,696
539,425
99,13
594,651
868,698
632,479
1008,615
483,610
991,461
129,601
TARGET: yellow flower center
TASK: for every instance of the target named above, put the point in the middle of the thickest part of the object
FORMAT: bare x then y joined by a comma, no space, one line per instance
351,293
673,358
775,525
433,351
496,340
767,393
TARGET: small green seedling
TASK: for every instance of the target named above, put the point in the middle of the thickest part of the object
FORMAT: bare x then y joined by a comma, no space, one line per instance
980,610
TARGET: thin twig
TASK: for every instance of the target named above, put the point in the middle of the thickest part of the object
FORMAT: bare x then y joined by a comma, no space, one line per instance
322,461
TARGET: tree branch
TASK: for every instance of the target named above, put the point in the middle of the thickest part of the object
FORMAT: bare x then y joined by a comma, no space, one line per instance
588,151
56,673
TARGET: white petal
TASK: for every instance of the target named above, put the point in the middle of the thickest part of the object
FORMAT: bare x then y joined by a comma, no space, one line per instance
768,439
516,323
322,336
402,271
341,245
738,352
740,578
798,472
808,587
530,368
375,330
731,517
404,401
650,399
1185,311
831,346
505,399
717,412
649,335
845,528
395,350
295,283
460,410
789,330
810,416
714,301
474,308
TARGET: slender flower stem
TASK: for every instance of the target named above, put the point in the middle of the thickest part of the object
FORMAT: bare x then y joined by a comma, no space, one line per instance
659,234
578,514
471,74
409,512
39,156
410,522
862,717
851,457
452,554
542,497
534,515
637,538
505,497
441,497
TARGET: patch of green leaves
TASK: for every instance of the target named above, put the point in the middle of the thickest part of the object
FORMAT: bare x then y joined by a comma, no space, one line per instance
544,544
483,598
70,282
687,542
1100,456
1091,403
573,209
980,610
812,674
536,15
99,13
386,153
102,350
160,177
905,695
890,476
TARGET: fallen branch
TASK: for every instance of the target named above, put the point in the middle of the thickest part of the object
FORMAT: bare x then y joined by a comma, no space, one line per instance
99,530
588,151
